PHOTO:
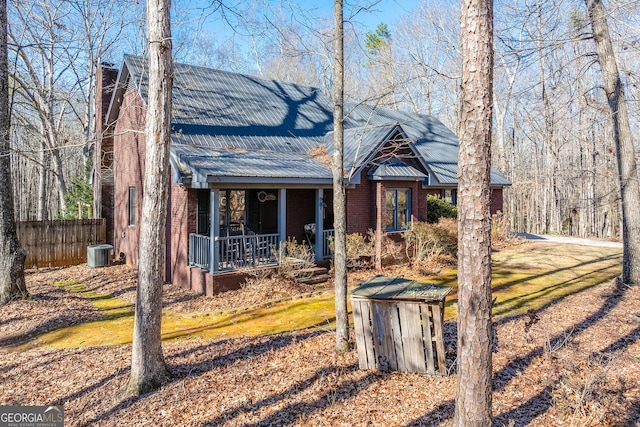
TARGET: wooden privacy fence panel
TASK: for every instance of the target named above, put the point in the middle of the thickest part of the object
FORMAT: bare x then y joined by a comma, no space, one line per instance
398,325
61,242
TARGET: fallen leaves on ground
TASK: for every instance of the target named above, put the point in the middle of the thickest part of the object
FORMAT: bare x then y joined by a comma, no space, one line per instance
577,363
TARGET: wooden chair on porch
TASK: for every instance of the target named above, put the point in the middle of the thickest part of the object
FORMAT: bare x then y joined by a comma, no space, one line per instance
231,250
256,250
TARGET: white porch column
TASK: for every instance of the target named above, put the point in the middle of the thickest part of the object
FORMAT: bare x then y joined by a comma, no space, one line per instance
282,214
214,231
319,247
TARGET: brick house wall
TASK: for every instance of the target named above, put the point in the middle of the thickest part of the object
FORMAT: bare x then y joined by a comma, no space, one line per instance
128,166
181,220
301,210
361,203
497,200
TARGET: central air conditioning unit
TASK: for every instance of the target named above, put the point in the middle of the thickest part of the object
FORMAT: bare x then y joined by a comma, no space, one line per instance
98,255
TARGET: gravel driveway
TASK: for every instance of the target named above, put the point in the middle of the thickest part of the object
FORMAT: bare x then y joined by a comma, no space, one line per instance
570,240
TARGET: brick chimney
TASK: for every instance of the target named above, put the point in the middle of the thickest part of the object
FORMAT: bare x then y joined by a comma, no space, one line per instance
103,202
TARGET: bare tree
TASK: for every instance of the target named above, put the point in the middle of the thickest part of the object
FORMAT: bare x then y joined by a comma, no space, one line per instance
12,256
339,196
625,152
148,369
55,47
473,397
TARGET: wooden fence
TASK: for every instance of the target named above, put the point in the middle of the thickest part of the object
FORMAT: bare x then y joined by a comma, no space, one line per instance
61,242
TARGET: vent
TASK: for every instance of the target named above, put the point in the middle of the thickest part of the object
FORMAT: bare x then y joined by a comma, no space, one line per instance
98,255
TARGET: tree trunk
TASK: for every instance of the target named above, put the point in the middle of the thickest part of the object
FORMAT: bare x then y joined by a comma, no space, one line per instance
12,256
339,196
473,397
43,167
148,369
625,152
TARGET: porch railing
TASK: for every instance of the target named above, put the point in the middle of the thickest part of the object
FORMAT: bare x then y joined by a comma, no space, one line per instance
199,250
326,249
236,252
250,250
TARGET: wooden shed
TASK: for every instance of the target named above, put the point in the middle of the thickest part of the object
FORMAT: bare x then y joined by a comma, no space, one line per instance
398,325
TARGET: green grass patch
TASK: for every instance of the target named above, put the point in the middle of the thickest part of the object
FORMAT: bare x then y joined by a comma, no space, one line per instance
305,313
531,276
536,275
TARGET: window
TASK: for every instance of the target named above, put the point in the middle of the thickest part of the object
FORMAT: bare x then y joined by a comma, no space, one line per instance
132,205
203,221
232,207
450,196
398,209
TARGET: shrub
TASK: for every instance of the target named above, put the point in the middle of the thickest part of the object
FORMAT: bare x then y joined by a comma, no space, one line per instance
390,249
501,233
439,208
425,241
360,249
294,258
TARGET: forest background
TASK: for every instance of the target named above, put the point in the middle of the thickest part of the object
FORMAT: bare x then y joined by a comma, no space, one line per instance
552,130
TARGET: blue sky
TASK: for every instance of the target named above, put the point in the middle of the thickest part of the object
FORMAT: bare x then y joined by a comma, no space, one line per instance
386,11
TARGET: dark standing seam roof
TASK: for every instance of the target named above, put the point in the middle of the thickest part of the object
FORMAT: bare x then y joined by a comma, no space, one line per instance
395,169
231,125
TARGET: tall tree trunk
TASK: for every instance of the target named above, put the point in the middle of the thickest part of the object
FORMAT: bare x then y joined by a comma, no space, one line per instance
148,369
473,397
43,167
61,183
12,256
625,152
339,196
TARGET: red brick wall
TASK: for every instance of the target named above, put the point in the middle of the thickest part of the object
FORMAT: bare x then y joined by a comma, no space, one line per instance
496,200
361,206
301,210
129,152
361,203
181,221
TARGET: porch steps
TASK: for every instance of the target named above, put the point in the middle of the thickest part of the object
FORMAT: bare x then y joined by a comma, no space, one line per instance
310,276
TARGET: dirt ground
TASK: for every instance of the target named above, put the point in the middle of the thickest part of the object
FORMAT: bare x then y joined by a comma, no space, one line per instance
574,363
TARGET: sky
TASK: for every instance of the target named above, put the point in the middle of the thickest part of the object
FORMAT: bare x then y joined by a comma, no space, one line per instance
372,12
386,11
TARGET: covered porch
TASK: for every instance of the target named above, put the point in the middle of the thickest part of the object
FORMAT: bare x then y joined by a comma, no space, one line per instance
240,229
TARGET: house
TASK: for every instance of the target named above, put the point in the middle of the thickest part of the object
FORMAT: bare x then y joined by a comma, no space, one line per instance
250,165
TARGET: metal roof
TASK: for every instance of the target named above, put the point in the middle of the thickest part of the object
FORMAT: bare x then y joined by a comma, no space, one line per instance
395,169
231,165
227,125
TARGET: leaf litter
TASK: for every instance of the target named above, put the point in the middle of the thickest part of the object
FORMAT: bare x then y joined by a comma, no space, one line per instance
575,362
